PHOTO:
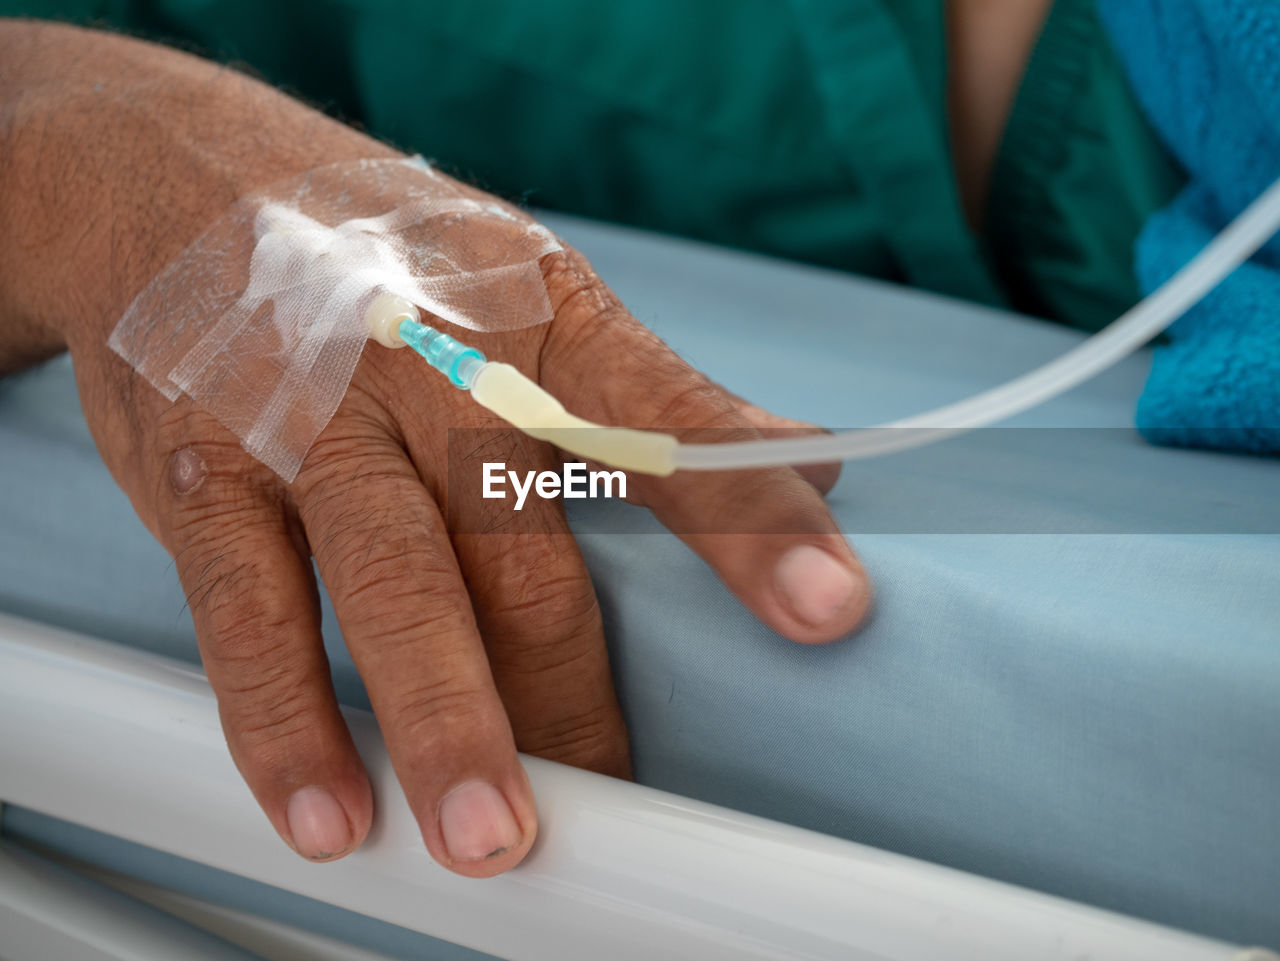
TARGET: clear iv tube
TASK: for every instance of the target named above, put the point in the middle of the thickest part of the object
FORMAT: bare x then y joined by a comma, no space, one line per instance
1232,247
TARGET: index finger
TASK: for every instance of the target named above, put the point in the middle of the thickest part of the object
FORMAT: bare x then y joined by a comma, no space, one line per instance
766,532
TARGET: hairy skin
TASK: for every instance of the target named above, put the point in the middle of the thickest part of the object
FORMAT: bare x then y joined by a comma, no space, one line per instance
114,155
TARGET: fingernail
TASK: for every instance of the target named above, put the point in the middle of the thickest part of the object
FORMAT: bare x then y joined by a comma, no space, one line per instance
318,824
814,584
477,822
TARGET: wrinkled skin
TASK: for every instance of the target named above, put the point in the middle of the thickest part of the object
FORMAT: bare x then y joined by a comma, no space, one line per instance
472,646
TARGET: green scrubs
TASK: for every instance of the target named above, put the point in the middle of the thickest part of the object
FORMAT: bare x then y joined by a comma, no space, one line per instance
810,129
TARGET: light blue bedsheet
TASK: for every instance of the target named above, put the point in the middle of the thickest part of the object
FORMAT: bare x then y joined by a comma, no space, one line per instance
1096,715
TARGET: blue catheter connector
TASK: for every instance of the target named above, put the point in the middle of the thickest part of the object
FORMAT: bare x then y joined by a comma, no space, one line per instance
455,360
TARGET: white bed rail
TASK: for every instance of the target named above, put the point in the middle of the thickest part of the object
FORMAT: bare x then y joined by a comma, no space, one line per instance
128,743
48,911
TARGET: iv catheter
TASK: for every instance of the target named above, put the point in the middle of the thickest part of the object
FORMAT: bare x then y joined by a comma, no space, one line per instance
521,402
505,391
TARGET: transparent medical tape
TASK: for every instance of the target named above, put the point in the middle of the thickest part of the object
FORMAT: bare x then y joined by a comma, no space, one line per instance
262,319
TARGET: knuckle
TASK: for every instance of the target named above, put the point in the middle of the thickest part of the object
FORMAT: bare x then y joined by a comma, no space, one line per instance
207,495
268,706
582,299
545,656
182,422
232,596
387,567
231,514
762,502
438,713
213,586
395,621
558,628
579,298
262,724
400,587
183,426
525,588
594,740
340,462
244,646
692,403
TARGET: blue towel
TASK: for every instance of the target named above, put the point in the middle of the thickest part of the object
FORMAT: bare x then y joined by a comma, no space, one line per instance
1207,73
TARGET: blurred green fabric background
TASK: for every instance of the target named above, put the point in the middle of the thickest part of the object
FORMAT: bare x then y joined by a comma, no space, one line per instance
810,129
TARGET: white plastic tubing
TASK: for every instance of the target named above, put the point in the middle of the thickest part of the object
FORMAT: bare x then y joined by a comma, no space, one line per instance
128,743
1241,239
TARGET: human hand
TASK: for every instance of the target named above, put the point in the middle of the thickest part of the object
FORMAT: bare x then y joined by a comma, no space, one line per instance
472,646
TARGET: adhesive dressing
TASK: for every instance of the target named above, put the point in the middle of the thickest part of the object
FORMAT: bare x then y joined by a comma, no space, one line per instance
262,319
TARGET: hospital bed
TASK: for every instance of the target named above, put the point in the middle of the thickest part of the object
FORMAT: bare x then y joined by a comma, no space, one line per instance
1071,684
